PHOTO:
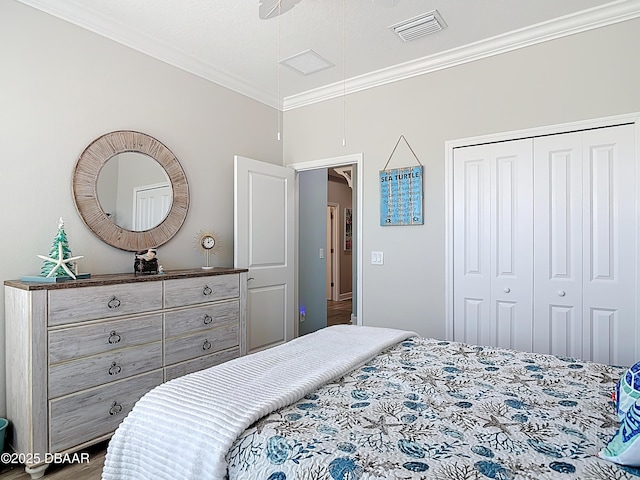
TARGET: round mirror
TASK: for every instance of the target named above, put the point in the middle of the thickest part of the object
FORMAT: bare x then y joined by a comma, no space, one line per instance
130,190
134,191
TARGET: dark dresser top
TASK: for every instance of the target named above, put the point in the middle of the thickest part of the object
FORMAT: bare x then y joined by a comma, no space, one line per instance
115,278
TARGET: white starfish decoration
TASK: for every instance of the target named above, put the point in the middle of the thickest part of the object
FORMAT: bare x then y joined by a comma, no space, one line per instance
61,262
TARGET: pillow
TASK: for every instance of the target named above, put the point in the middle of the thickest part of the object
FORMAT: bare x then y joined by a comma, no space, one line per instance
627,390
624,447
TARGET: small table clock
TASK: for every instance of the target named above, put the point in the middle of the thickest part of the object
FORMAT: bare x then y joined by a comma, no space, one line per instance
207,242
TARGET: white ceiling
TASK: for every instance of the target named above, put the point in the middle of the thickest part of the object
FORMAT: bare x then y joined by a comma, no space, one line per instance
226,42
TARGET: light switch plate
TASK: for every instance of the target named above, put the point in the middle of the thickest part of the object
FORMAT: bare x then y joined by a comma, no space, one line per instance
377,258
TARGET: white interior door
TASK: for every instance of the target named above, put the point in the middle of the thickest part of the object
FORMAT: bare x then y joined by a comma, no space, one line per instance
609,245
566,204
493,230
558,315
151,203
264,243
585,245
471,245
512,244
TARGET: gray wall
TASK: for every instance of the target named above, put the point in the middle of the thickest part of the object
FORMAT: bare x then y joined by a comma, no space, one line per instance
587,75
62,87
312,270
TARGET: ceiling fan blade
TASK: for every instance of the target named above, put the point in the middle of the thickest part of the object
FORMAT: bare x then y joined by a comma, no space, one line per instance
272,8
386,3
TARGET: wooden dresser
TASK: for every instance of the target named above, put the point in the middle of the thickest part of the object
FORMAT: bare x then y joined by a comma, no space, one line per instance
81,353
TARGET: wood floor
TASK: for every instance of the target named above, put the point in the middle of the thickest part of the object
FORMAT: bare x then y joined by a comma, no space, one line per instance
73,471
337,313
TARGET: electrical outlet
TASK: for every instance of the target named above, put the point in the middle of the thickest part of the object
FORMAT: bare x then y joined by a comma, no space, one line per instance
302,315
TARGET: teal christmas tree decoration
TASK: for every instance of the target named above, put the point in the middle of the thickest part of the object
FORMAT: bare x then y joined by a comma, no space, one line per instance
60,261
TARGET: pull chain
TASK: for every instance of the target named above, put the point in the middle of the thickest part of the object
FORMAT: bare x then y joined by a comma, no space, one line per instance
344,79
278,74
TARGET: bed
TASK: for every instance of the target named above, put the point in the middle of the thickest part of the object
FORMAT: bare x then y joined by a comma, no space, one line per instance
350,403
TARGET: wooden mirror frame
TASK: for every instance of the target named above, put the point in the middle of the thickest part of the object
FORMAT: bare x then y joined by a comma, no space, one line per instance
85,195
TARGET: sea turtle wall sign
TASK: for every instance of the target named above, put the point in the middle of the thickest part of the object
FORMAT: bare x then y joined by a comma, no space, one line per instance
401,193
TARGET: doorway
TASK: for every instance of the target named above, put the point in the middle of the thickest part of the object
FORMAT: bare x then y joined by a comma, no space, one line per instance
348,303
339,245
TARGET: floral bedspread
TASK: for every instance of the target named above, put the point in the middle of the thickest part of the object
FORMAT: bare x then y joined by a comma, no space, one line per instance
428,409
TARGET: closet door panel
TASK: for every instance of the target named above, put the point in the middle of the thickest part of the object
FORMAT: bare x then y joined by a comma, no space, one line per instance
493,230
471,245
506,322
511,244
565,331
609,257
558,245
473,323
603,336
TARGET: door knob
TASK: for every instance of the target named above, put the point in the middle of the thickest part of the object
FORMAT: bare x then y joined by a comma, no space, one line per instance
507,289
561,293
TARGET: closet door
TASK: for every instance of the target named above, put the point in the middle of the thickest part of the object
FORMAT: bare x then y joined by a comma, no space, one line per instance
609,245
558,245
472,245
493,242
585,255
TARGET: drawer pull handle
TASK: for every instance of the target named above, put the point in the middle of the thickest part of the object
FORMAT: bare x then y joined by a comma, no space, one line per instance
207,290
115,409
207,319
114,302
114,337
206,345
115,369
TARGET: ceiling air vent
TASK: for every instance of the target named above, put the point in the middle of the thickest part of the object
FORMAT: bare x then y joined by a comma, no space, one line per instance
416,27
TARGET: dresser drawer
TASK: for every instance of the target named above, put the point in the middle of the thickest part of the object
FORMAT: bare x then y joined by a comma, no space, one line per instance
200,363
84,416
69,305
191,291
203,343
191,320
75,342
87,372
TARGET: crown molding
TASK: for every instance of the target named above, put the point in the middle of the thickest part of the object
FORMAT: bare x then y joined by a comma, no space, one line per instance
609,14
597,17
82,16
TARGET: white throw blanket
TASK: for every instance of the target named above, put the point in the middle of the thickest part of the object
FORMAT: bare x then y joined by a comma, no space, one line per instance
184,428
